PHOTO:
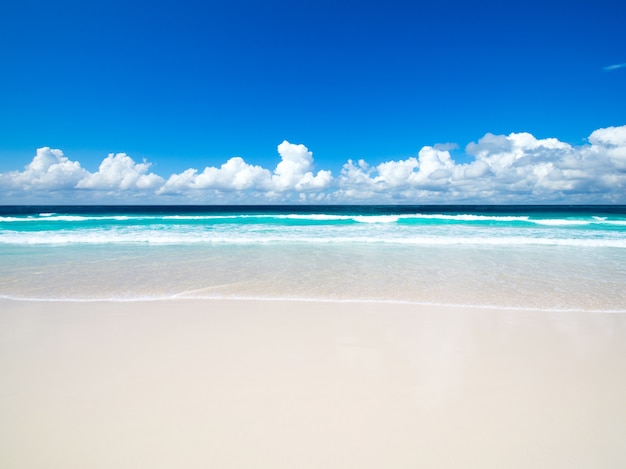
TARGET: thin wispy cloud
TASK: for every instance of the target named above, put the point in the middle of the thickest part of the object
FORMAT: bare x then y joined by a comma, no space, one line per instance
610,68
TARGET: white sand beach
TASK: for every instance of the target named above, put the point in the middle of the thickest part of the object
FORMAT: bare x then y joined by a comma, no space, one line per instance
285,384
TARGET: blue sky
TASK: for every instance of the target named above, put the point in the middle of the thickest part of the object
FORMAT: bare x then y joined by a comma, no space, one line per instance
191,84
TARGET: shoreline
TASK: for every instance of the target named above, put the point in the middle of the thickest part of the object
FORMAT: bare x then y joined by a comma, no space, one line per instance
244,383
355,301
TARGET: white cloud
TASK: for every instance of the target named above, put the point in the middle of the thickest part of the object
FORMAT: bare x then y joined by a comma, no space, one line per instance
609,136
292,174
294,170
393,174
506,169
49,169
612,142
432,167
234,175
120,172
514,168
178,183
435,164
475,170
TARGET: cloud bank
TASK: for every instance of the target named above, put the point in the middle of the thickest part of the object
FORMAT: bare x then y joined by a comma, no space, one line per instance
514,168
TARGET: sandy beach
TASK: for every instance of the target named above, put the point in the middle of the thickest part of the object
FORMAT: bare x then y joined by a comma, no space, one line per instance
235,383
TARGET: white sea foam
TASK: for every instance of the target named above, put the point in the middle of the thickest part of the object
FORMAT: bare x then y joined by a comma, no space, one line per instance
194,217
377,219
314,216
251,237
67,218
570,222
468,217
561,222
13,219
395,218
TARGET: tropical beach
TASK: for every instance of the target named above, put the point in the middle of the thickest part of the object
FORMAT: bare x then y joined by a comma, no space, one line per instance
319,234
312,336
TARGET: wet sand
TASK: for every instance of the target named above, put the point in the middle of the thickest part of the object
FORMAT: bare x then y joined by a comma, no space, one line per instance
284,384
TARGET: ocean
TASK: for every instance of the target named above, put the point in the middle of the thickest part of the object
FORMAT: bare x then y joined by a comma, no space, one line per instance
531,257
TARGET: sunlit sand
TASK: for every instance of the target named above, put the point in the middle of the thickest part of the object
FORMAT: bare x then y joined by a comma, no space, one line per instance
212,383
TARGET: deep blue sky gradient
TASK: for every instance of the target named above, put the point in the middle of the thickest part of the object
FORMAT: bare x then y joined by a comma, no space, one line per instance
191,83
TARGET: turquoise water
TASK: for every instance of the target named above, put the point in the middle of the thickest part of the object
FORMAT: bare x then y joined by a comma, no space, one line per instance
537,257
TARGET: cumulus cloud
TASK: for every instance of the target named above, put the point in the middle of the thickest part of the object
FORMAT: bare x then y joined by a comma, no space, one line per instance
513,168
294,170
292,174
120,172
49,169
609,136
505,169
611,142
234,175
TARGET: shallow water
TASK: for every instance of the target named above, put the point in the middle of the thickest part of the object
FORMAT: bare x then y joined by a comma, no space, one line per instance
522,257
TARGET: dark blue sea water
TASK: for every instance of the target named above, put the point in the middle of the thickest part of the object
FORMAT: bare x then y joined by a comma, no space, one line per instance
546,257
